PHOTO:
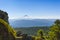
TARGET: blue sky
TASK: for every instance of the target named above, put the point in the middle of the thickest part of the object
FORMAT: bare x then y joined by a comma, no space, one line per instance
35,9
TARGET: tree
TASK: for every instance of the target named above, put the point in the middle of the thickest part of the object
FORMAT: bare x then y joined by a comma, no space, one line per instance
40,33
57,22
4,16
56,30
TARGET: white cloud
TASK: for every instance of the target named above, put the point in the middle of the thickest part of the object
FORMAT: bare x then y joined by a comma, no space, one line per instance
36,17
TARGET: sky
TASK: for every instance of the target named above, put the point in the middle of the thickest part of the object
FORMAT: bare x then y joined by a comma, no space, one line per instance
31,9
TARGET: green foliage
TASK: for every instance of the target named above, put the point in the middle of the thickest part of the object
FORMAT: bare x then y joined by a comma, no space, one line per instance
40,35
51,35
6,30
40,32
57,22
55,31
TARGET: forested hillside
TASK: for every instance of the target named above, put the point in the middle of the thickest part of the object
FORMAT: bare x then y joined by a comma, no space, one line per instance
32,30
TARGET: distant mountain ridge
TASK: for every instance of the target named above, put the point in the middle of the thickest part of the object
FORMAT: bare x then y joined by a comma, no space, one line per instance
31,22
